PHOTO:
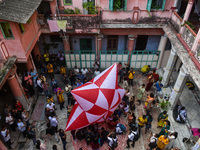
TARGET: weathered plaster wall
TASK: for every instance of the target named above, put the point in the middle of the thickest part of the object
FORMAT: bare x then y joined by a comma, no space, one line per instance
13,45
75,4
153,43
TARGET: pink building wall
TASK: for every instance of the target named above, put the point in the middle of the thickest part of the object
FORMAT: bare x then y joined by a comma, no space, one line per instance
22,43
75,4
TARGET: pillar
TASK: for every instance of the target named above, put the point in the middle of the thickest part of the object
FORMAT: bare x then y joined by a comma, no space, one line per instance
30,63
196,43
17,90
187,14
131,42
36,50
178,87
66,43
169,67
161,48
99,45
53,5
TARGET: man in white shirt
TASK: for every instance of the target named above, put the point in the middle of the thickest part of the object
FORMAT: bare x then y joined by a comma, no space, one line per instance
51,107
10,120
84,71
133,136
76,70
96,72
54,123
112,138
6,136
153,140
118,129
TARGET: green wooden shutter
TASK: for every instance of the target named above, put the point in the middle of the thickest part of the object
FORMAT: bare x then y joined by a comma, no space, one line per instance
163,5
149,5
125,5
111,5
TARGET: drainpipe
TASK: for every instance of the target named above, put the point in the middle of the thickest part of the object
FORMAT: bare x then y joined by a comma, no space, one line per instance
187,14
196,42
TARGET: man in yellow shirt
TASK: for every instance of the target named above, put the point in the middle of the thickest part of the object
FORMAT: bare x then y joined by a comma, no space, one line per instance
46,57
50,70
131,76
60,98
142,121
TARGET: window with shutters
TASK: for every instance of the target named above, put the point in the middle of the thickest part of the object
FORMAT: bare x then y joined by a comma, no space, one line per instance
6,30
156,5
117,5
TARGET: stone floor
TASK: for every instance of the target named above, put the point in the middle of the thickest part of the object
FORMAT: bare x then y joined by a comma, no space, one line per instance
141,144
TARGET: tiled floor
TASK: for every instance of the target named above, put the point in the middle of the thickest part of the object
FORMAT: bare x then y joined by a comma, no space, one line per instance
142,143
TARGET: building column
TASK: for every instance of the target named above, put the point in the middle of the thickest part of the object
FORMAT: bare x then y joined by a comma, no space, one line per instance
178,87
17,89
161,48
187,14
196,43
99,45
53,5
36,50
66,43
30,63
131,42
178,64
169,67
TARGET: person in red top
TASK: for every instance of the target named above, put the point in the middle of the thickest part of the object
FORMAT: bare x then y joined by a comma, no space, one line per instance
119,66
155,75
18,105
95,145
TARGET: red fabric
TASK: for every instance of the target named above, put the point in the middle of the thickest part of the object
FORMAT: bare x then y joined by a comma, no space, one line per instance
95,146
18,106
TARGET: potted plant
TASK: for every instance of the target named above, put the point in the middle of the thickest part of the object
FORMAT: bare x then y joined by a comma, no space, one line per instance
164,104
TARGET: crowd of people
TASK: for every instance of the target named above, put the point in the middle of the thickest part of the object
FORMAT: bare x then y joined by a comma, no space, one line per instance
94,135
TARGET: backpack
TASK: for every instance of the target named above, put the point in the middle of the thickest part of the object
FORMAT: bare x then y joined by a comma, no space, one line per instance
115,143
136,136
122,127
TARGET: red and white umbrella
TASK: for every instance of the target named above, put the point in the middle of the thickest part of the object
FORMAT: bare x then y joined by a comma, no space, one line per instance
95,100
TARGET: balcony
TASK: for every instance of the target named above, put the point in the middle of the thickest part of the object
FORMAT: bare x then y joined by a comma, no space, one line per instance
135,16
86,23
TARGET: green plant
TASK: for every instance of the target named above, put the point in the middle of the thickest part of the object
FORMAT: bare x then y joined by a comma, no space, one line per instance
90,7
160,78
164,104
77,11
117,4
69,11
189,24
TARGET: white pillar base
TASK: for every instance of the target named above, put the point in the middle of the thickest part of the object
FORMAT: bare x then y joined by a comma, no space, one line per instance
179,86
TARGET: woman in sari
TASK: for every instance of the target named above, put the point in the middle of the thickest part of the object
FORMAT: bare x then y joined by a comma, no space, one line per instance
150,82
165,128
162,141
162,118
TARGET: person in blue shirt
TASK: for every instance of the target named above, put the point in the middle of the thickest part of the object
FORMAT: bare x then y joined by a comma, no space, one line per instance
81,76
34,75
158,88
79,83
